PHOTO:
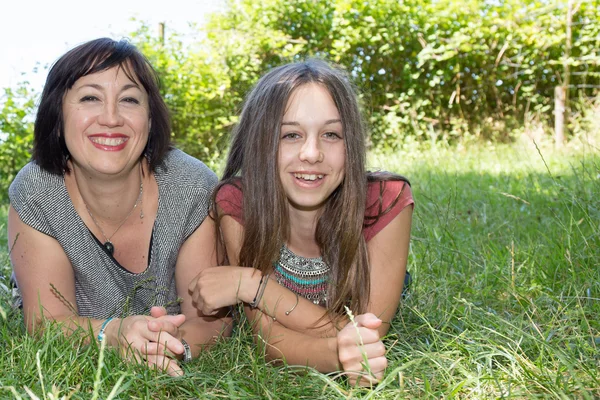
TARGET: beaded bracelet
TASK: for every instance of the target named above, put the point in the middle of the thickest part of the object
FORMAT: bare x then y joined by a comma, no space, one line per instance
101,334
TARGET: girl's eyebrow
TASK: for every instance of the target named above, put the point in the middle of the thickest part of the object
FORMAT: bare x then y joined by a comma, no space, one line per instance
328,122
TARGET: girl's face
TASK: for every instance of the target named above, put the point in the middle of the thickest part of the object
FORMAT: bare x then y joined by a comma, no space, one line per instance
312,154
106,121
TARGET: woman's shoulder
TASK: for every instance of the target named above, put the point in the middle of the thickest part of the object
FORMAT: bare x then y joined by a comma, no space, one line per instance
32,181
181,169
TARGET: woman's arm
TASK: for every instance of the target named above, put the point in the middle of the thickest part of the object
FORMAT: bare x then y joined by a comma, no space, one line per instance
197,254
47,285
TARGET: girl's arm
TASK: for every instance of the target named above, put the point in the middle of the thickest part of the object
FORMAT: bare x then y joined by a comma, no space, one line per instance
290,336
388,255
388,252
222,286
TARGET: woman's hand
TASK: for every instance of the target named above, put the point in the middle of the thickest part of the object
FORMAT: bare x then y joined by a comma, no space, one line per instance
218,287
359,342
151,339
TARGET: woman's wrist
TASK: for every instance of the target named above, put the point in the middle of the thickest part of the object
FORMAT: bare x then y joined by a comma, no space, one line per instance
111,331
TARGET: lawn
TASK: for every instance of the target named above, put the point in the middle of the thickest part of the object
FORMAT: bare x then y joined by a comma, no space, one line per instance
505,300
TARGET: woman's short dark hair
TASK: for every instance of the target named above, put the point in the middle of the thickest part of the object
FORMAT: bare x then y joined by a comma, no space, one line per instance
49,149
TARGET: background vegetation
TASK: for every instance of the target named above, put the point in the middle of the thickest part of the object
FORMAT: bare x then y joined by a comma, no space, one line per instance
504,304
506,242
435,70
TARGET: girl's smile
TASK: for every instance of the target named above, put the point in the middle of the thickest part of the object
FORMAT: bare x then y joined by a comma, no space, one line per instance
312,151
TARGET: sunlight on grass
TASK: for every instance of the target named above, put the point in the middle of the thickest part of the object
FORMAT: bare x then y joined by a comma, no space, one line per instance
504,302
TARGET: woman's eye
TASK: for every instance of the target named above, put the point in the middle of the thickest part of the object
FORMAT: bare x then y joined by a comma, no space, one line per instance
88,98
131,100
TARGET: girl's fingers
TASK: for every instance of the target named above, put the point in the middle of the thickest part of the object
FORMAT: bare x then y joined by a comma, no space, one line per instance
370,376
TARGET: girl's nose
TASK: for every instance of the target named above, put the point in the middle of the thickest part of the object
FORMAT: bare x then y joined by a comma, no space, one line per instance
311,152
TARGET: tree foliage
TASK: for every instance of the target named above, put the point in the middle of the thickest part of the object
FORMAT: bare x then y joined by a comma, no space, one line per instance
430,68
427,69
16,134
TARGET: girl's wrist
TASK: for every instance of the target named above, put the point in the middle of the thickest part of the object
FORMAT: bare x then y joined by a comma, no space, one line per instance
251,279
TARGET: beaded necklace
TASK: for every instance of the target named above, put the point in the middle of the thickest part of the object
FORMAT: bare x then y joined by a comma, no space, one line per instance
308,277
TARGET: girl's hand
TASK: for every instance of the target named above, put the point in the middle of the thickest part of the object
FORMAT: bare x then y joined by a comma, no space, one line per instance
359,344
218,287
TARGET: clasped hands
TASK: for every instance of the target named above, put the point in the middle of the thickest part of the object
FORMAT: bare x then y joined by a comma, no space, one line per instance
361,353
154,339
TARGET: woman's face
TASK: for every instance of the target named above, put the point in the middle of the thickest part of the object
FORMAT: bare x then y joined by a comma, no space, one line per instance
106,121
312,153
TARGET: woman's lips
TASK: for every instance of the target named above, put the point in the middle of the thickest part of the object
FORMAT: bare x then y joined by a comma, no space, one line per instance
109,142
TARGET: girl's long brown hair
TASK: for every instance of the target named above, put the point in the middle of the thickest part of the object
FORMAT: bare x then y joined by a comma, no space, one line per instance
253,160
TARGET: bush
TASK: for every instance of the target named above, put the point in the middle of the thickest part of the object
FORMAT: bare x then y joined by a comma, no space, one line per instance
16,134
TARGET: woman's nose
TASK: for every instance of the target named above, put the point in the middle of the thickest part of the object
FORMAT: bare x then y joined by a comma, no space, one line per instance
110,115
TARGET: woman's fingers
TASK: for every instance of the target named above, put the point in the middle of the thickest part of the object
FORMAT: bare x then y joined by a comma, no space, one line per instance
164,363
167,340
138,331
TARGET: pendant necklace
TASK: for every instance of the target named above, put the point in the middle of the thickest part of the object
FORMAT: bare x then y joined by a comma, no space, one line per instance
108,245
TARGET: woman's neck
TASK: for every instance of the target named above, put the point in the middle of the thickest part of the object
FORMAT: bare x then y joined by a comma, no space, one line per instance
109,200
303,226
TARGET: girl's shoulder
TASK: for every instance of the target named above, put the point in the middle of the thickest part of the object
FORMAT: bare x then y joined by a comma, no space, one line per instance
385,200
230,199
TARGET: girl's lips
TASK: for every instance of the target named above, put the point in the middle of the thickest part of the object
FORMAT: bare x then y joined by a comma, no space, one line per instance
308,180
308,176
109,142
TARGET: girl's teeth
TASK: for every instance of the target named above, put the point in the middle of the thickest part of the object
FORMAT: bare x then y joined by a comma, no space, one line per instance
308,177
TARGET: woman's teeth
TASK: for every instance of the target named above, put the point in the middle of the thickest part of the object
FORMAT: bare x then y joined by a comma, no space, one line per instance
105,141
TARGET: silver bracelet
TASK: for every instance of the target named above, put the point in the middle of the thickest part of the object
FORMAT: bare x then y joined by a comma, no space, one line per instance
187,351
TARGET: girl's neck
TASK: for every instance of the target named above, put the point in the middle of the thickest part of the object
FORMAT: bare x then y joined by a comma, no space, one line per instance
303,226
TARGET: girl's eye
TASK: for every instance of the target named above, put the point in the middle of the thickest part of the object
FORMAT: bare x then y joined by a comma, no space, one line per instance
291,135
332,135
88,98
131,100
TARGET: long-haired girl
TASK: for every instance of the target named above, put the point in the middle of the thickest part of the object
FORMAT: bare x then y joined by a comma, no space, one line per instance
308,233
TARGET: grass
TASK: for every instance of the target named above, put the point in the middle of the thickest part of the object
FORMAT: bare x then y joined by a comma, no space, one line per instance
505,301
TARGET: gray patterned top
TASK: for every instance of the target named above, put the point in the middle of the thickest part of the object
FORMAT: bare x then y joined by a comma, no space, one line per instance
103,288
